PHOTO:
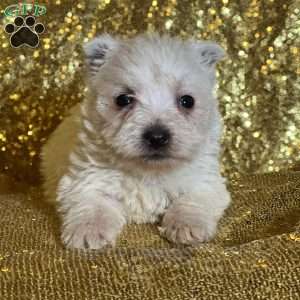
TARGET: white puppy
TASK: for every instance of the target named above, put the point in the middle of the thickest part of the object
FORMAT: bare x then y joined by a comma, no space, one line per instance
144,144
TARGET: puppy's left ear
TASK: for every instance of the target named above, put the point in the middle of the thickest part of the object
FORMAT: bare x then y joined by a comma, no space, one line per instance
98,51
209,53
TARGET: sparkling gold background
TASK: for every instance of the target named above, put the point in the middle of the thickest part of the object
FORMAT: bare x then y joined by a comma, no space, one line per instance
259,86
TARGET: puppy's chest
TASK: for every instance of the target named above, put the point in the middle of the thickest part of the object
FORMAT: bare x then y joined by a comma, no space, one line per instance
144,200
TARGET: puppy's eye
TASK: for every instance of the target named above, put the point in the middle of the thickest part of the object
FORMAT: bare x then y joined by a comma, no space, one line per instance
124,100
187,101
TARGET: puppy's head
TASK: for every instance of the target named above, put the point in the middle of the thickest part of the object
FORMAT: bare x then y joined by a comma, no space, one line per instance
153,94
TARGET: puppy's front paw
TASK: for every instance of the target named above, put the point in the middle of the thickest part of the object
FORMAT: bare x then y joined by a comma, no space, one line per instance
185,225
94,233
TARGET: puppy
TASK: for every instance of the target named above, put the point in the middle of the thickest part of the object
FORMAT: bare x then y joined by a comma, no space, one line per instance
143,144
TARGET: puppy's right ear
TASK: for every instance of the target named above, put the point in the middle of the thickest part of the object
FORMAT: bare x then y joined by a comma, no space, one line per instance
98,50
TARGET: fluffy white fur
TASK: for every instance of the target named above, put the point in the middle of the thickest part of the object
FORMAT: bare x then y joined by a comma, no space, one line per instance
96,167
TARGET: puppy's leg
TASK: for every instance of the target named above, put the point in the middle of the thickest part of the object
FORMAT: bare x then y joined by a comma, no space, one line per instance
92,213
193,218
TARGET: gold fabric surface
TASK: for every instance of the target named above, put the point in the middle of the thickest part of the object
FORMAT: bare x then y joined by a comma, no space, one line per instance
259,82
256,254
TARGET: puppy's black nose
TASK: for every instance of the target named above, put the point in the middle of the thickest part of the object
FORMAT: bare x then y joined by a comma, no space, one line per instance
157,137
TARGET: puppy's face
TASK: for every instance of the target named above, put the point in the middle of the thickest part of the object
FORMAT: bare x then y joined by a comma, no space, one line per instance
154,95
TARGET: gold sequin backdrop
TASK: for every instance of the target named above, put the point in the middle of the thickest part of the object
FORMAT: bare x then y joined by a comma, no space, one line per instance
259,86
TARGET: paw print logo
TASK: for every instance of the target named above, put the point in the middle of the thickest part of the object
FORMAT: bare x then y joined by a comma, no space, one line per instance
24,32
